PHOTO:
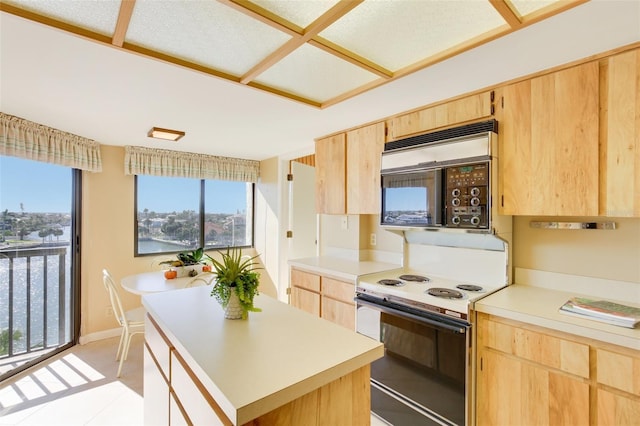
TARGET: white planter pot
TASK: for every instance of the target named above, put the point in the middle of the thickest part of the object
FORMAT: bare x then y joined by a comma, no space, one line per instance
183,271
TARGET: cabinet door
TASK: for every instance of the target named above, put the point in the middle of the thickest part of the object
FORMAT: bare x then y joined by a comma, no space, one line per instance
549,154
338,312
156,392
331,175
364,149
469,108
511,391
617,410
306,300
620,149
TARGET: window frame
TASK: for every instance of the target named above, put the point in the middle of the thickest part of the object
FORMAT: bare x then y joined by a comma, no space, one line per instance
201,214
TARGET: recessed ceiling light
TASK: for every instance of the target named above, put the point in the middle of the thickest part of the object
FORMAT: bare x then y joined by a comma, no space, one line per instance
167,134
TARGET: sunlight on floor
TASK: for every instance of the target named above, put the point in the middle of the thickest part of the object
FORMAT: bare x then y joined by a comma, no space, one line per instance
77,387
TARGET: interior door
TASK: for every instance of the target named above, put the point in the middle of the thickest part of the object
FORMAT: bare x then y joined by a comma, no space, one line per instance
303,219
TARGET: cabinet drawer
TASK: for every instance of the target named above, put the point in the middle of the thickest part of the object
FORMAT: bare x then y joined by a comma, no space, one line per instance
339,290
199,406
547,350
158,344
619,371
306,300
305,280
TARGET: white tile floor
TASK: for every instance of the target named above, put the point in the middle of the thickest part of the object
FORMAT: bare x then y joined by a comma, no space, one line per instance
77,387
80,387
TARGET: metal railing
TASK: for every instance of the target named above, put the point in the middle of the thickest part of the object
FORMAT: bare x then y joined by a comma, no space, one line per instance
33,282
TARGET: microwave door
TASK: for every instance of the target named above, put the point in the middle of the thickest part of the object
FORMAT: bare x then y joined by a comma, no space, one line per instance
412,198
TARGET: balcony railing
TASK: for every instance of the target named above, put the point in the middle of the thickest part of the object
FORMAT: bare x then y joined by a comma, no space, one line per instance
34,299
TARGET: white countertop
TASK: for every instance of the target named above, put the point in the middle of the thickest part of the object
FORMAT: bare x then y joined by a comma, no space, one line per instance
155,282
342,269
253,366
539,306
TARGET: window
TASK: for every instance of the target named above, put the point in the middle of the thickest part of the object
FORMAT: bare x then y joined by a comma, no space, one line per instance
177,214
39,306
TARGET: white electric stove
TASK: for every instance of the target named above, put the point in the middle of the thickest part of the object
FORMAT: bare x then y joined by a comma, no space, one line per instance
423,291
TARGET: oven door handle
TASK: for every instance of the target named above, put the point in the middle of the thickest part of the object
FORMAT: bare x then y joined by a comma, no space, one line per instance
460,329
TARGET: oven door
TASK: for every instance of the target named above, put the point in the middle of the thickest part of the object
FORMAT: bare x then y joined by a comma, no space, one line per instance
423,377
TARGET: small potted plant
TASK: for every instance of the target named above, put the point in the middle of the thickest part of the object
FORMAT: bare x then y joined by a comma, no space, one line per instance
236,283
188,263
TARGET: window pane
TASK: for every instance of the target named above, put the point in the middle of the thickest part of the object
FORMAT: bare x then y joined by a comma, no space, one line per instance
228,214
168,214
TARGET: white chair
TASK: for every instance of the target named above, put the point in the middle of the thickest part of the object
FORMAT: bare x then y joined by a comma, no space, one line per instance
132,321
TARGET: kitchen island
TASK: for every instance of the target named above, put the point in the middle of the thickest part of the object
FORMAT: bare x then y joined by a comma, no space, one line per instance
281,365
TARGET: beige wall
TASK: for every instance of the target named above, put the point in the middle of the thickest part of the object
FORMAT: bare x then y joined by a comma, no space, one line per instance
611,255
593,253
107,240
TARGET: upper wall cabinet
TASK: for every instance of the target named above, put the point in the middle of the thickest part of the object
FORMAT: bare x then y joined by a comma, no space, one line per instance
548,155
364,148
331,175
348,171
620,135
469,108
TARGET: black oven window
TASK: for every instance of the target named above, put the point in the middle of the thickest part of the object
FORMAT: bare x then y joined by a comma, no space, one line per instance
406,199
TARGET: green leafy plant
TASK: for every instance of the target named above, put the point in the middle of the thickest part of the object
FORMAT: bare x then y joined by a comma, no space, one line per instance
187,258
235,273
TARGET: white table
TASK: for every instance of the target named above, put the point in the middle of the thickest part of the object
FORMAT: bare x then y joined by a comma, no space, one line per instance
155,282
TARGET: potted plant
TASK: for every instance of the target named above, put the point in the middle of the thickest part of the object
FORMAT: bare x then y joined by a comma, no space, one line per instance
187,263
236,283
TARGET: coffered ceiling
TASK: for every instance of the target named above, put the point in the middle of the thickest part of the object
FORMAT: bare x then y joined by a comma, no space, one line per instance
318,52
263,79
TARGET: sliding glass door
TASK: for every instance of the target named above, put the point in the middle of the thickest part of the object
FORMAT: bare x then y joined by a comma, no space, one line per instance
38,280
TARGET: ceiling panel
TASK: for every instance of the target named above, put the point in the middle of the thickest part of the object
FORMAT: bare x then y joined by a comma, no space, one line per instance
300,12
525,7
204,32
315,74
95,15
396,34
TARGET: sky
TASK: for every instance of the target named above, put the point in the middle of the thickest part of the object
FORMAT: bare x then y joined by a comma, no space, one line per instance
46,188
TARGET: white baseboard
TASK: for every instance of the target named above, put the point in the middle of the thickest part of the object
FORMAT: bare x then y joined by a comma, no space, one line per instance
99,335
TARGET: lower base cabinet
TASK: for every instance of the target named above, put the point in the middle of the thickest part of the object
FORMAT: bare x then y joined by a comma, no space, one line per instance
529,375
180,398
325,297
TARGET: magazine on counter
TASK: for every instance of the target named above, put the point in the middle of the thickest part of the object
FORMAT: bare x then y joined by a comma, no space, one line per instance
603,310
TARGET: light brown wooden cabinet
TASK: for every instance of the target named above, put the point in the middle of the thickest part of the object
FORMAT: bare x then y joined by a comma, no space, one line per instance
548,151
325,297
531,375
348,171
620,135
331,175
459,111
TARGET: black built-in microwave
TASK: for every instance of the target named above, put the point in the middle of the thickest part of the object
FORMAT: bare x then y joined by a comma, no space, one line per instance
439,184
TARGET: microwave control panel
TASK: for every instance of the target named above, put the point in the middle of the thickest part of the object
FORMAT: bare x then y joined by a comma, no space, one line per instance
467,196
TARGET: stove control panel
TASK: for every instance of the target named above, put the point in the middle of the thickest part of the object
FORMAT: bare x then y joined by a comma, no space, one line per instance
467,198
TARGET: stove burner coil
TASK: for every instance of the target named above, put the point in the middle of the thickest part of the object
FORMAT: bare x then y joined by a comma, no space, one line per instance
445,293
414,278
395,283
469,287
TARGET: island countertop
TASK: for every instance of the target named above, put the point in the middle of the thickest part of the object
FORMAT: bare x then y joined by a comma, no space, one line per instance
253,366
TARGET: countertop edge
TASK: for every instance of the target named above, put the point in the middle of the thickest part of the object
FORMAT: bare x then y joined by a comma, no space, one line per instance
498,304
297,390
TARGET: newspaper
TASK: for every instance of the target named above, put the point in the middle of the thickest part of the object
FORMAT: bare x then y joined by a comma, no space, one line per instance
603,311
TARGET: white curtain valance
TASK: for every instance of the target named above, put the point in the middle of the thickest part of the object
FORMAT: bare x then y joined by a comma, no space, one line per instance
32,141
163,162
